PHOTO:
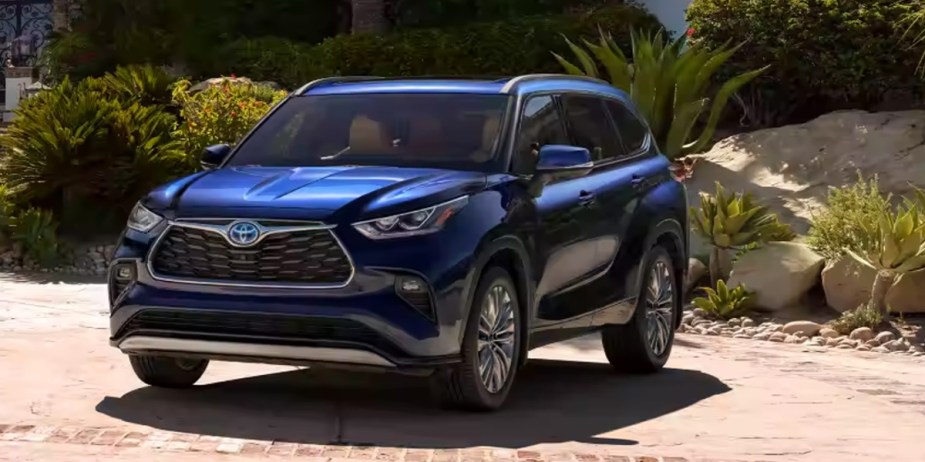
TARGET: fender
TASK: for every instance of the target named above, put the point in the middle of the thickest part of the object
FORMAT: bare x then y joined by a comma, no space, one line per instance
672,228
523,278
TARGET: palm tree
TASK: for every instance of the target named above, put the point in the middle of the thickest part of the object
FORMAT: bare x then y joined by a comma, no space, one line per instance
368,16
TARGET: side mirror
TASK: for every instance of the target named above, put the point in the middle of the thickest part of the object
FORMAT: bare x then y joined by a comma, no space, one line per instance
213,156
559,162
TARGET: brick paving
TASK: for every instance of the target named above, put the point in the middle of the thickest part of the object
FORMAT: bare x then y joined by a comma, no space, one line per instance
203,444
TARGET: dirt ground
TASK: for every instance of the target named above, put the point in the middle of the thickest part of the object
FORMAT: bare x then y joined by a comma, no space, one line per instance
65,395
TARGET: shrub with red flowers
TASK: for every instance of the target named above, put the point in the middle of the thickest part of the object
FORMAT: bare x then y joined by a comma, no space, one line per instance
221,113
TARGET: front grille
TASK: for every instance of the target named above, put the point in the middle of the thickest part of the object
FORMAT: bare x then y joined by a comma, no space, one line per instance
297,257
272,328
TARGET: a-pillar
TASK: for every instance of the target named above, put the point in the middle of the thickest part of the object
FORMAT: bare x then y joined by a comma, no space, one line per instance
17,80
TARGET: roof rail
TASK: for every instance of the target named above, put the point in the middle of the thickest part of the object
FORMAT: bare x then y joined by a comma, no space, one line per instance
513,83
335,79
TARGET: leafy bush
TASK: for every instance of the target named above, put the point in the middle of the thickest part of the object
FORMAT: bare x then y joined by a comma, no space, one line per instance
731,222
826,54
671,84
841,225
288,63
145,84
7,211
220,113
36,230
74,142
722,302
862,316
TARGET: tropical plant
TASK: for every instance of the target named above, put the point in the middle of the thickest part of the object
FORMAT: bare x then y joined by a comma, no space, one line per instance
220,113
723,302
862,316
732,221
6,214
840,225
36,230
73,142
145,84
893,245
670,83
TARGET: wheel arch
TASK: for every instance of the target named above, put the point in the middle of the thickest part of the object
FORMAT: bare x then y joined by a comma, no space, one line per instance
669,233
510,253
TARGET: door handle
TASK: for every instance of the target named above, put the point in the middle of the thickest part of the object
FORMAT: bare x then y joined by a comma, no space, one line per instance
585,197
637,181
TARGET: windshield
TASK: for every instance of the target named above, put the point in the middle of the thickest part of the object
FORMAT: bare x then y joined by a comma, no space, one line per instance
457,131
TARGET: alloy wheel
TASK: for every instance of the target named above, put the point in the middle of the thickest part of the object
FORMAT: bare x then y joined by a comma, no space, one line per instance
496,338
659,307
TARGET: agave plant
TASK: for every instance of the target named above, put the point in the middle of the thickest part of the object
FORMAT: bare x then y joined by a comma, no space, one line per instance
723,302
732,221
670,84
893,246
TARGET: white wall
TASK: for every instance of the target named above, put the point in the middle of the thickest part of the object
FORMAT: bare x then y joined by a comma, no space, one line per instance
669,12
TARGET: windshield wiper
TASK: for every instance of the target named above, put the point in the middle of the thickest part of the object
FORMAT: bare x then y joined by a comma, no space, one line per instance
336,154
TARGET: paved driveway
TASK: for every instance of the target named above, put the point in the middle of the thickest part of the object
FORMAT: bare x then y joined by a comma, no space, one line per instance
65,395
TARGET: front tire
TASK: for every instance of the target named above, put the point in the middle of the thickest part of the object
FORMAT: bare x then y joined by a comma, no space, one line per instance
644,344
490,348
159,371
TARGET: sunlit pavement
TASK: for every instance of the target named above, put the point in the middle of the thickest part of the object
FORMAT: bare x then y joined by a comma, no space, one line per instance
65,395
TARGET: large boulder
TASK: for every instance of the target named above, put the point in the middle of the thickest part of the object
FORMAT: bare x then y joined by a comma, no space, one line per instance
847,285
779,273
790,168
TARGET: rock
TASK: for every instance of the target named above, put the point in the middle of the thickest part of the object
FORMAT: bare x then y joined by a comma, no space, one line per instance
217,81
885,336
880,349
687,319
699,312
844,346
830,342
740,336
748,322
776,327
762,336
696,270
848,341
778,337
713,331
863,347
862,333
779,273
872,343
917,349
828,332
807,327
734,322
897,345
681,329
793,339
847,285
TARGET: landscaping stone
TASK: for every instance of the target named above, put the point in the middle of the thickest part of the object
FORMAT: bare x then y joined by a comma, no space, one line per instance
847,285
885,336
872,343
779,273
696,270
778,337
747,322
880,349
762,336
807,327
828,332
862,333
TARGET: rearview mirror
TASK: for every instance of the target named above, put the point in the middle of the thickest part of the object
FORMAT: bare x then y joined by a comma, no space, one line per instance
214,155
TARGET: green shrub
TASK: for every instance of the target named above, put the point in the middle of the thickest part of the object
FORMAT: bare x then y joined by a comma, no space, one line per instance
670,83
487,48
36,230
145,84
74,142
826,54
723,302
840,225
862,316
220,113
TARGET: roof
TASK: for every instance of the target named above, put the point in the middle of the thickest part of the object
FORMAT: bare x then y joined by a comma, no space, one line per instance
464,85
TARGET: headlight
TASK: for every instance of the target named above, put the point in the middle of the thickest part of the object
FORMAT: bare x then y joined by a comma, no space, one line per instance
415,223
142,219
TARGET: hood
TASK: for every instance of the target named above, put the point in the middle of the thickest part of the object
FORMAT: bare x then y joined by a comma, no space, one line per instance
318,193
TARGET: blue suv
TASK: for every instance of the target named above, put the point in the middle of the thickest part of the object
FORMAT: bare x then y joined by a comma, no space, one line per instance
433,226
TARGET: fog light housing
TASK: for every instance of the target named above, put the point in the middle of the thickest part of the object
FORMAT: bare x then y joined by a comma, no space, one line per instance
416,293
121,277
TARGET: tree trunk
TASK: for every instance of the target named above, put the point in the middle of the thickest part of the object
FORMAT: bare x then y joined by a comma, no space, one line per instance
882,283
368,16
714,265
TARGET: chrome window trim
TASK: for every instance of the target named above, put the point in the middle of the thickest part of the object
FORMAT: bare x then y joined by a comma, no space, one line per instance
203,224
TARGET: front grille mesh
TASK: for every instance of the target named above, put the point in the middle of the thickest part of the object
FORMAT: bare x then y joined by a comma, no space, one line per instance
299,257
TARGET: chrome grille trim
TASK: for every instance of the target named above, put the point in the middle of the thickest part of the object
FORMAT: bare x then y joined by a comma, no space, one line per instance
210,225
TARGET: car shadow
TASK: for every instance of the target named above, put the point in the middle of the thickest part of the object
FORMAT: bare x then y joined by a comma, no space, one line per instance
553,401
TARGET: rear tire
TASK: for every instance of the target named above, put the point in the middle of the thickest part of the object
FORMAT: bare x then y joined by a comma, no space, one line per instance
631,347
159,371
485,345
